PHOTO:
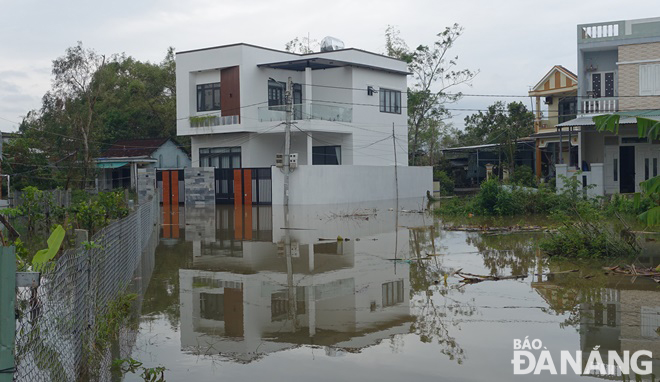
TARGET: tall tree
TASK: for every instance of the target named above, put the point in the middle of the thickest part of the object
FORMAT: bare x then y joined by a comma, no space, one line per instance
501,123
93,102
76,91
435,73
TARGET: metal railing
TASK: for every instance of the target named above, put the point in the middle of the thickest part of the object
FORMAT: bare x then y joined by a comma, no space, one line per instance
58,321
318,111
600,105
214,119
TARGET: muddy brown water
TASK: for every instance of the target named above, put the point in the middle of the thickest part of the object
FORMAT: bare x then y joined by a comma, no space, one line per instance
361,295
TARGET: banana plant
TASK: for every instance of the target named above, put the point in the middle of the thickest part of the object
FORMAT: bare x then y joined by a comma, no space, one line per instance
42,257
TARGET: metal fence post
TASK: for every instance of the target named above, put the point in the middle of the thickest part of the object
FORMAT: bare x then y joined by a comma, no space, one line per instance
7,312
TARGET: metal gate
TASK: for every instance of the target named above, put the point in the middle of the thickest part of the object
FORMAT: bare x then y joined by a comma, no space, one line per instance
172,184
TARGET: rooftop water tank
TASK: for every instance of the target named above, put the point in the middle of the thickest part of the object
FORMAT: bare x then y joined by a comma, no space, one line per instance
328,44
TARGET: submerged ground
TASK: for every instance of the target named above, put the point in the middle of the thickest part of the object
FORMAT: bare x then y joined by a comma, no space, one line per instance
363,295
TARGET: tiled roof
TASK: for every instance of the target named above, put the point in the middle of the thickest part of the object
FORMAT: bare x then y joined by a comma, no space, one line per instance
134,148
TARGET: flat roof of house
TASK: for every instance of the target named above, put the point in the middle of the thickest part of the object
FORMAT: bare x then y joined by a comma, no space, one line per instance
316,63
284,51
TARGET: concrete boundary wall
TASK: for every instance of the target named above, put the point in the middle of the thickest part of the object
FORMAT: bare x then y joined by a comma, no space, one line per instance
146,184
350,184
200,186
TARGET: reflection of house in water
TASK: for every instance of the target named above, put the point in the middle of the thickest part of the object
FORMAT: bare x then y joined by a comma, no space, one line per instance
245,298
622,316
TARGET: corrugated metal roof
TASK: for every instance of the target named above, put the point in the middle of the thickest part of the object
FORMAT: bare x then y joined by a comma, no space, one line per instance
627,118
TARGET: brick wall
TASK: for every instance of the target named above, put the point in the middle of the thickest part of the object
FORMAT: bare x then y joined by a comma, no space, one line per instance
629,76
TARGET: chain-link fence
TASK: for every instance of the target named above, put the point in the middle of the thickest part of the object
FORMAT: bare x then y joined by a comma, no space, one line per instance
58,322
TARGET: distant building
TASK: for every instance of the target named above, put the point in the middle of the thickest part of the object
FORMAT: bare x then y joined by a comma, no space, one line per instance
619,72
558,90
119,163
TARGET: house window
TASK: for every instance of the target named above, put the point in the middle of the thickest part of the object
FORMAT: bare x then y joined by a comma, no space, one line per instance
567,108
392,293
647,168
649,79
390,101
276,95
220,157
208,97
655,166
616,170
326,155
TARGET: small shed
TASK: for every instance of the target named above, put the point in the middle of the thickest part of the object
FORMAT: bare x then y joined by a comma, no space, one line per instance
119,163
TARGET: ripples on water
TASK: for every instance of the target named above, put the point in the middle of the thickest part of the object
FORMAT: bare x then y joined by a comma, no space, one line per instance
226,300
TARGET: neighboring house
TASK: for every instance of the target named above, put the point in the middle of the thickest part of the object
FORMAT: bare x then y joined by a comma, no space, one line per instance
468,163
231,102
558,90
119,163
619,71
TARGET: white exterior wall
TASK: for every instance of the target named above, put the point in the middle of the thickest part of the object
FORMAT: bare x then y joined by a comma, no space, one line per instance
170,152
351,184
360,136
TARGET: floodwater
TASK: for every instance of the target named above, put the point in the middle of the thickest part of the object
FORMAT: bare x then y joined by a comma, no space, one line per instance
361,295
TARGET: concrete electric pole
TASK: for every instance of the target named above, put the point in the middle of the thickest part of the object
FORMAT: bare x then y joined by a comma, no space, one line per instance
288,99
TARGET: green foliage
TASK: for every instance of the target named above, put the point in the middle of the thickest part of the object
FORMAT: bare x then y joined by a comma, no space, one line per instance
523,176
54,243
109,324
583,239
130,365
495,199
90,216
446,182
502,123
114,204
95,100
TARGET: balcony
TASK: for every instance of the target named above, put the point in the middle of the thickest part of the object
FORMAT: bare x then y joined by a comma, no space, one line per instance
618,30
323,112
213,119
602,105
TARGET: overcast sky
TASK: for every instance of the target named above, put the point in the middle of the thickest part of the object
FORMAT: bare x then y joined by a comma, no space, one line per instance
513,43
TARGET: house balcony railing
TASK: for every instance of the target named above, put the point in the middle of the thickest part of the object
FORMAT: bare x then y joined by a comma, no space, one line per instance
316,111
213,119
608,30
600,105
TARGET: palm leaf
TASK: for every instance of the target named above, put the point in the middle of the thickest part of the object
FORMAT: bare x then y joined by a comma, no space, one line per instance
651,186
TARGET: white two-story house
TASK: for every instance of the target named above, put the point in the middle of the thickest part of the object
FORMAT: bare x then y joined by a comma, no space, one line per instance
619,72
347,104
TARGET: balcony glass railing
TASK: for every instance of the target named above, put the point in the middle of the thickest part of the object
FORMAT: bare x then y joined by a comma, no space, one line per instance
316,111
213,119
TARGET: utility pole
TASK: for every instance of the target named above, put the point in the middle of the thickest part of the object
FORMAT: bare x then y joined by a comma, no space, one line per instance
288,99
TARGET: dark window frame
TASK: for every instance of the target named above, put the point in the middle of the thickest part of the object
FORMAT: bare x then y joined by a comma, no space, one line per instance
326,155
216,101
389,101
276,94
207,153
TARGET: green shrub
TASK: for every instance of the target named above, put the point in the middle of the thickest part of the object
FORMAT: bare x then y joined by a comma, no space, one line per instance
446,183
523,176
589,240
